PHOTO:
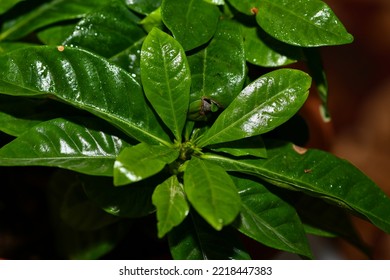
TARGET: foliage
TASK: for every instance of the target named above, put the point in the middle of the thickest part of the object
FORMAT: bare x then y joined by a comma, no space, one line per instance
172,108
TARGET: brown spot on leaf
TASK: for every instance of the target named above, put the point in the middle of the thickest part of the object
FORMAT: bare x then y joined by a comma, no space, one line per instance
299,150
254,11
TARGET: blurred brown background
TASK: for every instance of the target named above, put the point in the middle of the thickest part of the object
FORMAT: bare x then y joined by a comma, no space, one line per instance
359,84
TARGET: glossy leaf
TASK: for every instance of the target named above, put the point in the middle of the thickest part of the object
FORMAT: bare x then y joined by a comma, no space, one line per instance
316,173
253,146
306,23
130,60
245,6
141,161
85,81
171,204
106,31
132,201
17,115
192,23
143,6
211,192
194,239
11,46
152,20
269,220
263,50
80,147
55,36
263,105
218,71
166,79
46,14
216,2
310,229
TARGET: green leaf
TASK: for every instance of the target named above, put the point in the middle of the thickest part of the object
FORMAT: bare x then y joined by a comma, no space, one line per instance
82,147
263,105
191,22
46,14
189,129
130,60
106,31
55,36
154,19
317,71
211,192
219,71
269,220
143,6
263,50
306,23
132,201
166,79
316,173
19,115
85,81
141,161
7,5
194,239
171,204
216,2
11,46
245,6
310,229
252,146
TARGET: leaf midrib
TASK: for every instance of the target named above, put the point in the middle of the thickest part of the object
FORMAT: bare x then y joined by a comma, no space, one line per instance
286,180
108,116
259,221
177,131
233,124
210,188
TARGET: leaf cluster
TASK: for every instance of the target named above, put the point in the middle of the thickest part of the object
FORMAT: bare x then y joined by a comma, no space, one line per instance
167,107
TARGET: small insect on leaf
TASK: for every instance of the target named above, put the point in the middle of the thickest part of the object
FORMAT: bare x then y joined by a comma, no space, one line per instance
60,48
